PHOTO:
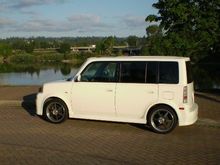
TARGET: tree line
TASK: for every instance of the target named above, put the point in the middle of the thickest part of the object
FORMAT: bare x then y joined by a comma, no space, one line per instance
104,45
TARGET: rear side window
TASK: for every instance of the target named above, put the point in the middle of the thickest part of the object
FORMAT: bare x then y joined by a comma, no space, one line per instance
168,72
133,72
152,70
189,72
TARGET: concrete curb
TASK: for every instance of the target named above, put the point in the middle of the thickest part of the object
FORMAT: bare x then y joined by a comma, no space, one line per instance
208,96
208,123
10,102
16,102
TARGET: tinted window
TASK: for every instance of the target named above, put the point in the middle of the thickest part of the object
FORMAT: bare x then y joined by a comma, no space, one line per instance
152,72
100,72
189,72
133,72
168,72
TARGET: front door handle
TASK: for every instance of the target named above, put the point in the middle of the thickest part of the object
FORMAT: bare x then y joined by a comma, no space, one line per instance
109,90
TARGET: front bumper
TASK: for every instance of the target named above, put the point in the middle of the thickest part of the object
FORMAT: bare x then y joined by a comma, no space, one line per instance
39,104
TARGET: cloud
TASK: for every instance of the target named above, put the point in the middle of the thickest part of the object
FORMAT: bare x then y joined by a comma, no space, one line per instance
82,23
4,22
77,24
41,25
18,4
88,22
133,21
85,19
3,6
31,13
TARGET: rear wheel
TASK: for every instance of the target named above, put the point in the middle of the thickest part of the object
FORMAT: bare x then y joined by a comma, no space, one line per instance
55,111
162,119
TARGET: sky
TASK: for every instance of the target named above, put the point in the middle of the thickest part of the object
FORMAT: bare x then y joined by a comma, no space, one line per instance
74,18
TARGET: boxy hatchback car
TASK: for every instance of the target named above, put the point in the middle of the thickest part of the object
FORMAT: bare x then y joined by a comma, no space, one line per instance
157,91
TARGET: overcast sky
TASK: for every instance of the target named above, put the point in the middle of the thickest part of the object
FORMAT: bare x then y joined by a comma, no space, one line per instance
71,18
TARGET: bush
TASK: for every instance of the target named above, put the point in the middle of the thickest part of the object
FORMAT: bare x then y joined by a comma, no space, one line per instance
23,58
50,58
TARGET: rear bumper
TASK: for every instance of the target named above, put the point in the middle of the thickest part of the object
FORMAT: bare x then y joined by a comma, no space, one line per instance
189,115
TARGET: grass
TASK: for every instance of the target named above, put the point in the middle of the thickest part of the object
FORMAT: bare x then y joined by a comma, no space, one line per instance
49,57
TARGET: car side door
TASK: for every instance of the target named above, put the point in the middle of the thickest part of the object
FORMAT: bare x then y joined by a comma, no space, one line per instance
137,89
94,94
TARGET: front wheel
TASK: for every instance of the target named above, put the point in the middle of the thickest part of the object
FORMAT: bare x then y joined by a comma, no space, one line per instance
55,111
162,119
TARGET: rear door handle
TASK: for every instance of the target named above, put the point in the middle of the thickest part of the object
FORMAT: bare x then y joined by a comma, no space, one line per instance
109,90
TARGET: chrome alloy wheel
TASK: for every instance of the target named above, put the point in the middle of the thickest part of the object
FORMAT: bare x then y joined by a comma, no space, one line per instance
55,112
162,120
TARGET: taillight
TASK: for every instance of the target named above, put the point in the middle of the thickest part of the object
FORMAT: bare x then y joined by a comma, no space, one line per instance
185,95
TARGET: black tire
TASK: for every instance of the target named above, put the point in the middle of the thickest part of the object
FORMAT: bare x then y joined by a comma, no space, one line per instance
55,111
162,119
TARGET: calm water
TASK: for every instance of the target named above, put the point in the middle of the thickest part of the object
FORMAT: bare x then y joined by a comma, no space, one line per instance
34,78
205,76
35,75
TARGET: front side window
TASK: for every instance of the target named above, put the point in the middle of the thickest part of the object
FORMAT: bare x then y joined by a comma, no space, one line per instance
100,72
133,72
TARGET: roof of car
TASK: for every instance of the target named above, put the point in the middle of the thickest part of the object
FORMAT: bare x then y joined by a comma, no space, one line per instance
139,58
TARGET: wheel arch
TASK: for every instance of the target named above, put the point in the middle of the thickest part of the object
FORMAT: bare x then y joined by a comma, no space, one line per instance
161,104
65,101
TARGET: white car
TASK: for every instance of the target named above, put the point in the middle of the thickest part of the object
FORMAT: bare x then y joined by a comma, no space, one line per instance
153,90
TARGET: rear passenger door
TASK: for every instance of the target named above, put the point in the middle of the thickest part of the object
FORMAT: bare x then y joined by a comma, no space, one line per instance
136,90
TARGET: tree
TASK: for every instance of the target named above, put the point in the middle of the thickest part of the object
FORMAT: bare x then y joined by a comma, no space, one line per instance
108,45
5,50
190,27
29,47
153,30
132,41
64,48
100,49
18,44
105,46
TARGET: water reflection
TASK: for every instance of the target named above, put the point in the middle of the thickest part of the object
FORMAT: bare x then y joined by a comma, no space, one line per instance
21,74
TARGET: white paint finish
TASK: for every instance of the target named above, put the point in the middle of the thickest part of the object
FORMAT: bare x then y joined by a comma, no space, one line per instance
110,118
132,100
168,95
91,98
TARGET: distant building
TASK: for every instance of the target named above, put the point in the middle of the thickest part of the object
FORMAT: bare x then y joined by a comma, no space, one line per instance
126,50
90,48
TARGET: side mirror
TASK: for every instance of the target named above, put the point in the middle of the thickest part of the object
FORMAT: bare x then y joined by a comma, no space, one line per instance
78,78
